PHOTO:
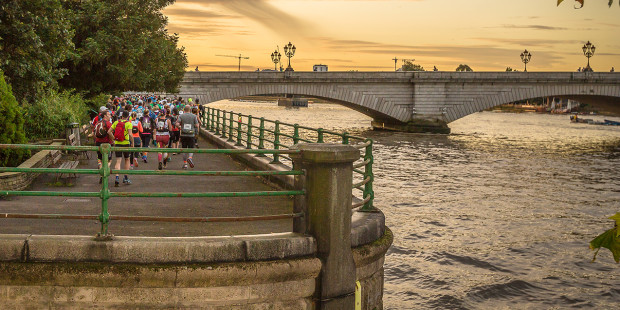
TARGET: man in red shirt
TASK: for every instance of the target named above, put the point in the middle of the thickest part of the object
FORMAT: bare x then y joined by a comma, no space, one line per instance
102,135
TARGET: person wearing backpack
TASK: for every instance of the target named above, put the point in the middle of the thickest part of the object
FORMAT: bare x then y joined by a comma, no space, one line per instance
102,136
148,125
121,131
136,131
162,136
189,126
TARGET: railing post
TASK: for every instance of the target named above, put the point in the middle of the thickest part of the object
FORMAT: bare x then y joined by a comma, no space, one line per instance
261,136
320,135
223,124
217,124
296,134
345,138
276,142
328,181
248,143
368,191
211,119
104,217
231,127
239,143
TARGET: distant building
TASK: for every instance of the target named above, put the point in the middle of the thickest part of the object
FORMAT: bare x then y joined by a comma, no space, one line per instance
319,68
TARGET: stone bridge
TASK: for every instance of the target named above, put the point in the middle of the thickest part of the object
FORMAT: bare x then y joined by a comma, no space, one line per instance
410,101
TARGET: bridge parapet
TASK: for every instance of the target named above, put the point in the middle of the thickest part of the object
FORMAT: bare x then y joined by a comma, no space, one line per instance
409,101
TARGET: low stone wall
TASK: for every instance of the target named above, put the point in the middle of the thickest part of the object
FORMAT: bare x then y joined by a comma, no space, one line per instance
16,181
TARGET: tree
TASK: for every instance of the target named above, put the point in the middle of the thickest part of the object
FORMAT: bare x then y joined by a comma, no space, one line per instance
509,69
35,38
11,126
122,46
463,67
410,66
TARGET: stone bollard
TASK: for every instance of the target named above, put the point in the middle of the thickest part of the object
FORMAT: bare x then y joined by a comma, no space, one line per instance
327,205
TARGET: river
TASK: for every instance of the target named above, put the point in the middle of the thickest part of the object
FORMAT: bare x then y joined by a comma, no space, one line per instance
496,215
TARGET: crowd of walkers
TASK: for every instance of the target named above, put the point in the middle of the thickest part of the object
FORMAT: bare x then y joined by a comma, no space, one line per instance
145,121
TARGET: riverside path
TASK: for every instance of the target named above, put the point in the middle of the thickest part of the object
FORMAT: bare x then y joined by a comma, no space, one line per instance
159,207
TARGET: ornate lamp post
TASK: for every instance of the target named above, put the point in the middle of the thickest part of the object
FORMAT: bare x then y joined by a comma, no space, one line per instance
525,58
588,51
289,51
275,57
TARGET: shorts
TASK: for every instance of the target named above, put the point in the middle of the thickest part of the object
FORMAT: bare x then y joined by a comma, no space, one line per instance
99,155
188,142
164,139
120,154
175,135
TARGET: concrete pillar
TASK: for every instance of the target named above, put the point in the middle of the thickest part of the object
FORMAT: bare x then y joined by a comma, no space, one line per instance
327,205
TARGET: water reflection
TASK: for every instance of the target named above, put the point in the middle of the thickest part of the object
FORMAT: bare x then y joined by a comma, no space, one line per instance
497,214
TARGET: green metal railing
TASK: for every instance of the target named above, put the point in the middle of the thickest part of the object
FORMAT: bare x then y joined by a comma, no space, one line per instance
241,130
105,194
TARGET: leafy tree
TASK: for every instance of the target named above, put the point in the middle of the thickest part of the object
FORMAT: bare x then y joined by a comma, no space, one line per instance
48,116
609,239
410,66
463,67
122,46
11,126
35,37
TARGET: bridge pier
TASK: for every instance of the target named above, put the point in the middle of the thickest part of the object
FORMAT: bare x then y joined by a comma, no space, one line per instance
417,125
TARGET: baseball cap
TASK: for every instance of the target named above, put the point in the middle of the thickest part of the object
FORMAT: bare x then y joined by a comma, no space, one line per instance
102,109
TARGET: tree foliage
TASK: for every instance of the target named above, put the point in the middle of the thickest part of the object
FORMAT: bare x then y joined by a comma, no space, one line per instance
12,126
35,37
48,116
581,2
410,66
609,239
463,67
121,46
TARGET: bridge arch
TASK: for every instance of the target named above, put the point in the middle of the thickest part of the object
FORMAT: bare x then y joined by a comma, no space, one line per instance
598,95
365,103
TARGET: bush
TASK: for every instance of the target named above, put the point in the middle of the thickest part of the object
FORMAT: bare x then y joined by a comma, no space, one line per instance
48,116
11,126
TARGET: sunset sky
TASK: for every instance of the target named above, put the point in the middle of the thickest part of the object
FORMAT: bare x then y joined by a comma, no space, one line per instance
488,35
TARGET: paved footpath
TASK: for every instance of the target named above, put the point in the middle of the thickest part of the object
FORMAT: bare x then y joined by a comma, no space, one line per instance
176,207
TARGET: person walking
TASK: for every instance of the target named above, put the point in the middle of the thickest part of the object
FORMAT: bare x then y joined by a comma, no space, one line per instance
148,125
162,137
102,136
121,131
136,131
189,126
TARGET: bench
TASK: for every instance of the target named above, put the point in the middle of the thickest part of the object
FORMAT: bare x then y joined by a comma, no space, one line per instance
72,140
70,164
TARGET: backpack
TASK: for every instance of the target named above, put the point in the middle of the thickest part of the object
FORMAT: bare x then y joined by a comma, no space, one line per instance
119,132
101,129
135,128
161,125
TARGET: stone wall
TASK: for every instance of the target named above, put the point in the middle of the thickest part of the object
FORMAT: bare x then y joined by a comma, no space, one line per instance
16,181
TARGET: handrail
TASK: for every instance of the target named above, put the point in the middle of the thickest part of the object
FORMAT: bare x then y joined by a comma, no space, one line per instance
104,194
242,130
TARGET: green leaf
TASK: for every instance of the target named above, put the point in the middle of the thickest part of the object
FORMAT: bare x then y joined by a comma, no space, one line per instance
608,240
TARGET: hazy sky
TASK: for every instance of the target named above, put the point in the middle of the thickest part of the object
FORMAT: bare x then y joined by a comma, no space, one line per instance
488,35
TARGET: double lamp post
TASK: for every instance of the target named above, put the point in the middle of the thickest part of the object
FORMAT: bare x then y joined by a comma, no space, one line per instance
289,51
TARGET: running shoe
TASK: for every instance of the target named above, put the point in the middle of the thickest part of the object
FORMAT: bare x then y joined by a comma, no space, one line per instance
160,165
135,162
116,183
190,162
126,181
185,167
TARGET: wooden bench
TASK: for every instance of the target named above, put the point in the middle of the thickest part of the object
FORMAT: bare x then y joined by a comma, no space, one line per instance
70,164
72,140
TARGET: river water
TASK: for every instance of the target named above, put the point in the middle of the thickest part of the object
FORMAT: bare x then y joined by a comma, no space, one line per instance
496,215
